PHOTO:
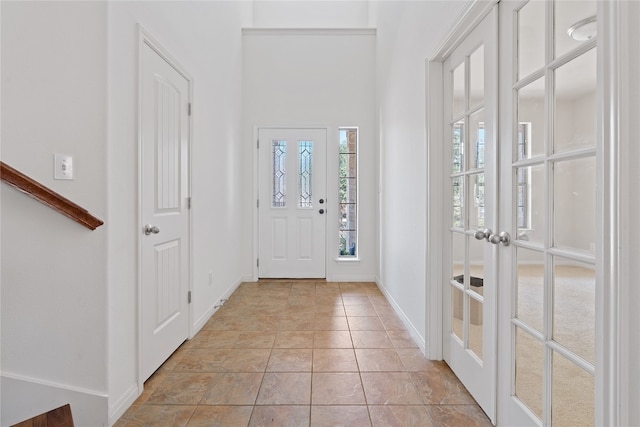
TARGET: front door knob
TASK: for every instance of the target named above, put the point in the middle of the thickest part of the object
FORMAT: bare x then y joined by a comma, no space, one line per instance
148,229
321,211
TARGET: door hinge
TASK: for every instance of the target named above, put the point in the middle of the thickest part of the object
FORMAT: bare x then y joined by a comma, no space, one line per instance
189,108
189,297
257,262
188,202
258,203
258,144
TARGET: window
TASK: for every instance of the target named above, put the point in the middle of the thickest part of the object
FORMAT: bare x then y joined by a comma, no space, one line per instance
279,181
348,193
523,178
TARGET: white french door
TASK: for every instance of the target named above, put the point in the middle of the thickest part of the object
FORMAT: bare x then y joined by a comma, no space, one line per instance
164,192
469,293
548,199
292,203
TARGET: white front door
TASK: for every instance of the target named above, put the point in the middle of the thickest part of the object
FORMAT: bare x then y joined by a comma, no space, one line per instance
292,203
164,192
549,204
469,269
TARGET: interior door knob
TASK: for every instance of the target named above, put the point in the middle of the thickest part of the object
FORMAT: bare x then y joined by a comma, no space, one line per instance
503,238
148,229
484,233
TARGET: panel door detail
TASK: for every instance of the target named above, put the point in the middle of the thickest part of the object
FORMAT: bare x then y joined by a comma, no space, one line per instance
164,195
292,203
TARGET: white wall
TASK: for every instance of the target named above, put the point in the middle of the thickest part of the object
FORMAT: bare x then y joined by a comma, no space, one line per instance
205,38
310,14
54,288
407,34
319,78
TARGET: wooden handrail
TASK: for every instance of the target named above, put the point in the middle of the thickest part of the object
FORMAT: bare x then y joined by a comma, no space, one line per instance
48,197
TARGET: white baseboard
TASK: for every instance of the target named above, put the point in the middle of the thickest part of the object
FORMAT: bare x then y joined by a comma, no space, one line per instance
24,398
349,278
420,340
120,407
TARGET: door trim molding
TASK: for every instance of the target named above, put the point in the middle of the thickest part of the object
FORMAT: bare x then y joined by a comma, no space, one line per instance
145,38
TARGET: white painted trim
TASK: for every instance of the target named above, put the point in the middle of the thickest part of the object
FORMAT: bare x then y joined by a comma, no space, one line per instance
74,389
120,407
308,31
403,317
145,38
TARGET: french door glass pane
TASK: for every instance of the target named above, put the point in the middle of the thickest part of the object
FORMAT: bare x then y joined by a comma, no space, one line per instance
530,203
577,14
476,214
530,38
572,393
457,257
279,181
476,140
475,326
574,307
531,110
457,147
530,287
529,366
457,310
476,77
574,190
575,103
458,91
457,195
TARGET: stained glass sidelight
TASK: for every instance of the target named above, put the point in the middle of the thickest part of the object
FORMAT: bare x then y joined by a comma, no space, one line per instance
279,157
305,174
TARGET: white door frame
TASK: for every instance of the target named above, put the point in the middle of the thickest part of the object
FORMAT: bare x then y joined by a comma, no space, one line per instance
615,381
144,38
256,189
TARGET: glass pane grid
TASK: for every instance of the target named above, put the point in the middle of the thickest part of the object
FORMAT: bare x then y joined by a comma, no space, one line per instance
305,174
348,192
279,170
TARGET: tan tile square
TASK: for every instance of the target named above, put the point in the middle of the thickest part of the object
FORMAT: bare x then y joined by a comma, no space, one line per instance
294,339
280,416
246,360
458,415
150,386
213,416
203,360
157,415
379,360
360,310
402,339
296,323
442,388
385,310
214,339
371,339
255,340
233,389
334,360
400,415
332,339
389,388
283,388
290,360
181,389
331,388
365,323
331,416
355,299
331,309
330,323
392,323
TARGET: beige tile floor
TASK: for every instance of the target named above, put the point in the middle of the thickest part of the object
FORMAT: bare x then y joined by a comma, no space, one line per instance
303,353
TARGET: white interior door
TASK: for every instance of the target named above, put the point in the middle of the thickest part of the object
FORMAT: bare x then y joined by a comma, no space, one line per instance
469,293
549,113
164,196
292,203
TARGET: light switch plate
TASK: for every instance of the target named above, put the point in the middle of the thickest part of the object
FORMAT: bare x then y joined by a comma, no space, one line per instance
63,166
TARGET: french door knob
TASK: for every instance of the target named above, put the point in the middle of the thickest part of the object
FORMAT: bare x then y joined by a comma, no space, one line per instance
503,238
484,233
148,229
